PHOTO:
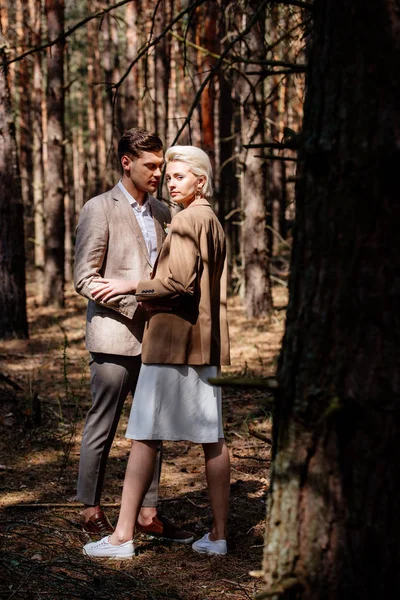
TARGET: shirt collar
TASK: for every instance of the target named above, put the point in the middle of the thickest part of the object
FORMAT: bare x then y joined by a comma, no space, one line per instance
134,203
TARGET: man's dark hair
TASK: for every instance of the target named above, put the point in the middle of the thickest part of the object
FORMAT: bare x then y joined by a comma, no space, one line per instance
136,141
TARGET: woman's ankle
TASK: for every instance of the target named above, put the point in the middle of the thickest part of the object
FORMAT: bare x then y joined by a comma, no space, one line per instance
216,534
117,538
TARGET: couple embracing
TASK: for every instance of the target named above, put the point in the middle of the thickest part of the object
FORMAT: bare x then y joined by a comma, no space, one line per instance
156,327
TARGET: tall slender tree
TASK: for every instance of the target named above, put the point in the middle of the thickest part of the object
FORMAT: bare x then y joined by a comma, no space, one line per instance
13,319
37,117
333,520
257,293
53,292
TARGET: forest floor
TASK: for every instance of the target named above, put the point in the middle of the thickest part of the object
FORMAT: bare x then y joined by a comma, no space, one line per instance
44,396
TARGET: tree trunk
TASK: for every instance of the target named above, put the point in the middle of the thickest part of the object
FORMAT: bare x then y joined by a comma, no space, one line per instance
131,92
207,39
162,72
258,299
99,111
13,319
333,518
24,137
35,8
54,202
94,186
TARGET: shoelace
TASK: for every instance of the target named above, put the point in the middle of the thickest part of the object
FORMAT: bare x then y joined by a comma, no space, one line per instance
102,542
101,524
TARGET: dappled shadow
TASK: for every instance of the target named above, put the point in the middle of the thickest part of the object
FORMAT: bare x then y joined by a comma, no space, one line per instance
42,545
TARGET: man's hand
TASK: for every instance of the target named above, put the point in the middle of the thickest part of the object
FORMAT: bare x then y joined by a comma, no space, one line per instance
109,288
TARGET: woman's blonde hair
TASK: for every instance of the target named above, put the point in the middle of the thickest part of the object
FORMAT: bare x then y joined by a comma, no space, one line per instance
198,162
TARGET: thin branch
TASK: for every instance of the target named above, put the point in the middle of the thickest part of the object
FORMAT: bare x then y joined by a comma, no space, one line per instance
67,33
211,74
260,436
274,157
289,67
155,41
298,3
266,73
273,145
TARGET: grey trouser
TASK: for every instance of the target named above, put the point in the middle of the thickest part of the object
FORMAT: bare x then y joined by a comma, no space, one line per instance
112,378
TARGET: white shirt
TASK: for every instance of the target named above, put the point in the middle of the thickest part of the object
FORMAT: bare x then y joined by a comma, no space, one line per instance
145,219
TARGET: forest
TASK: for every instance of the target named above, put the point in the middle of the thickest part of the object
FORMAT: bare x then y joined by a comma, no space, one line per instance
296,102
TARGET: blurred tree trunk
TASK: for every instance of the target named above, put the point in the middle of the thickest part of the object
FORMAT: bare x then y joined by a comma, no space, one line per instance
207,39
35,9
69,207
258,299
162,71
9,38
333,520
131,93
53,292
94,167
146,83
78,157
24,131
13,319
228,138
99,108
112,116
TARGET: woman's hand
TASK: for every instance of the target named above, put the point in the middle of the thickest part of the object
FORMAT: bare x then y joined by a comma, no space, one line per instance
109,288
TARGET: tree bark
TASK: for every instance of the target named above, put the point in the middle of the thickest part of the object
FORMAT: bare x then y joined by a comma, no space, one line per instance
53,292
333,519
24,131
94,186
131,92
258,298
162,64
13,319
207,38
35,8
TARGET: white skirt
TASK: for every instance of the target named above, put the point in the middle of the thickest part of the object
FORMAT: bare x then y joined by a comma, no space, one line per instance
176,402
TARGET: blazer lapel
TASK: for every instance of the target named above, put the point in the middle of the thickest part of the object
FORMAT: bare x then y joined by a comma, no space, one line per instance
126,209
158,222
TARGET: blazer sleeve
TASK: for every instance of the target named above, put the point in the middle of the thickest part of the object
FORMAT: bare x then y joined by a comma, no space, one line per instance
183,265
91,245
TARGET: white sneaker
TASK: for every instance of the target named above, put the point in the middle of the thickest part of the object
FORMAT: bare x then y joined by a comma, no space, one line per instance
103,549
207,546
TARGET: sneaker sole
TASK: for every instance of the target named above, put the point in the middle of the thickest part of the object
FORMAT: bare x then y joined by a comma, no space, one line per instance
211,553
116,557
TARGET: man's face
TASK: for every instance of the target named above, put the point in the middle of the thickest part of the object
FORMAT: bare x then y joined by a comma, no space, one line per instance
144,171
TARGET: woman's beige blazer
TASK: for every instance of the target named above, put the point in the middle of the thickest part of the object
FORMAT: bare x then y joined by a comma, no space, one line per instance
189,276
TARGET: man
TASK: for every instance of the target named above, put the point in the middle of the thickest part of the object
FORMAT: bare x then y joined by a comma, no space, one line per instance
118,236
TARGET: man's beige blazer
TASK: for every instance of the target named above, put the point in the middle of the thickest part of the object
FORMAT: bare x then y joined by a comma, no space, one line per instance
110,243
188,276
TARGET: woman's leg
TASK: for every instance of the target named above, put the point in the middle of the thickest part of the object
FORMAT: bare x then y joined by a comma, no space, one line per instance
218,478
138,476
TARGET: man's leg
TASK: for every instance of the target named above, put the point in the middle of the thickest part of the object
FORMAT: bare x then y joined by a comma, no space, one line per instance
112,377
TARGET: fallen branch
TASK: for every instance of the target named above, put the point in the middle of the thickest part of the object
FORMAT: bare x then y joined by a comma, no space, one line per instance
262,383
260,436
252,457
10,382
58,505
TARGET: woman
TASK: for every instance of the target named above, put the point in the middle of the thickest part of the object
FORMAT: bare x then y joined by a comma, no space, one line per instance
182,347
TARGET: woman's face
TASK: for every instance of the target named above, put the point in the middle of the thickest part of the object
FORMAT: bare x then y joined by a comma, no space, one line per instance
182,183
